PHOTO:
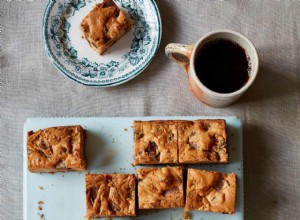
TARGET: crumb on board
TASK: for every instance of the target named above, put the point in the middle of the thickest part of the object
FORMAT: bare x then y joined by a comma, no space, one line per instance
42,216
186,215
125,129
40,207
41,188
40,202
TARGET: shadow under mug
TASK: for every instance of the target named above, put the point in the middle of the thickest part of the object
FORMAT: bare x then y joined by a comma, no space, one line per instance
185,56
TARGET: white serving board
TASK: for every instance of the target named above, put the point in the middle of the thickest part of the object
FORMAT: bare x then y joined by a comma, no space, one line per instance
109,149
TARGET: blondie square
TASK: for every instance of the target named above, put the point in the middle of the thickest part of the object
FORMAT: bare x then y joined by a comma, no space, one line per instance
104,25
160,188
202,141
210,191
56,149
155,142
110,195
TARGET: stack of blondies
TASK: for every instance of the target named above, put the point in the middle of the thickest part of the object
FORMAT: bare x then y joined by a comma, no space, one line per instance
168,146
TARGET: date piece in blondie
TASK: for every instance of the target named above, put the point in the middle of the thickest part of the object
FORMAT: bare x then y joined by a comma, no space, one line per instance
104,25
56,149
110,195
210,191
160,188
155,142
202,141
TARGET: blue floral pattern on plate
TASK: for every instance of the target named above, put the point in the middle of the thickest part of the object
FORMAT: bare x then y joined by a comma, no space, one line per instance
144,45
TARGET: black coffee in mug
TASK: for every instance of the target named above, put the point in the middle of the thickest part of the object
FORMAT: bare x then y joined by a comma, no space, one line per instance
222,66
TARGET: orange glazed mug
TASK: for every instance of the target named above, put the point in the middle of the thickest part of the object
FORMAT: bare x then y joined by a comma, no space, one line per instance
185,56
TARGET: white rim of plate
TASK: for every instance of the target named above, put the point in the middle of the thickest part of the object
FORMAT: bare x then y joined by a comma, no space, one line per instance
60,67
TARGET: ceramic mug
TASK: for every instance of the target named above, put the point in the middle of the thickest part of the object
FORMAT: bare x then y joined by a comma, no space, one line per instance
185,55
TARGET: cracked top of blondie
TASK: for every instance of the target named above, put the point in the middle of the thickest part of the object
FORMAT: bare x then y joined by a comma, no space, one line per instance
109,195
160,188
211,191
56,149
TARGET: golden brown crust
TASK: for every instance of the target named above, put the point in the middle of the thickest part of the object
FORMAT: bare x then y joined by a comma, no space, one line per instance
56,149
160,188
211,191
110,195
104,25
183,142
155,142
202,141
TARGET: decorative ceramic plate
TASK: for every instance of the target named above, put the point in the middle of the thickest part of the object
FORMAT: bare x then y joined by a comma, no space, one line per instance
127,58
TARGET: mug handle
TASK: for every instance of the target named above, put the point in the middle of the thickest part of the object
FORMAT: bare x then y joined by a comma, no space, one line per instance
181,54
